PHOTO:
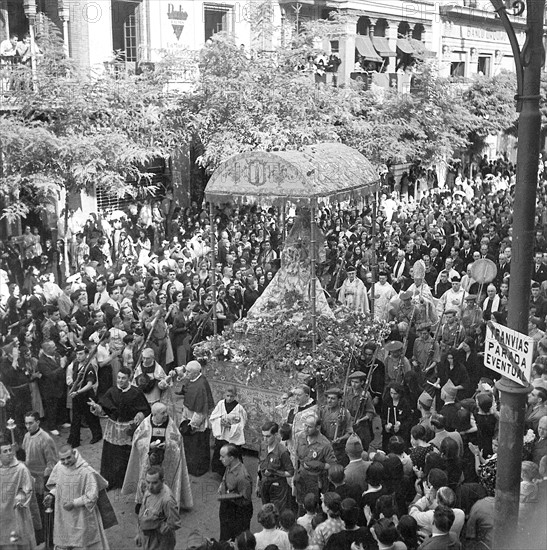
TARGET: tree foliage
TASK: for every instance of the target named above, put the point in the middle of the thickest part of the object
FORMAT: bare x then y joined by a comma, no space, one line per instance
74,131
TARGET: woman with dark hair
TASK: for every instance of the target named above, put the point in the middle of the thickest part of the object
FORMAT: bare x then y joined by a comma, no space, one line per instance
375,480
453,465
468,433
487,422
331,505
473,365
452,368
268,517
420,446
245,541
408,532
396,415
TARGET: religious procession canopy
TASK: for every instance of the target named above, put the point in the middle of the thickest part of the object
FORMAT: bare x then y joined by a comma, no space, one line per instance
325,170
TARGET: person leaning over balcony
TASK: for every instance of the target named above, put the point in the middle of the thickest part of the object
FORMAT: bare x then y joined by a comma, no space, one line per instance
8,48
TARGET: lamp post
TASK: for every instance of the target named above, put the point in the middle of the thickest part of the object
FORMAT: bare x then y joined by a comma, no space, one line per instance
64,16
528,63
30,11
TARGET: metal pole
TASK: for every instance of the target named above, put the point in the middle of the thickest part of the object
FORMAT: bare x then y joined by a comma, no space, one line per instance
374,266
313,239
213,265
513,396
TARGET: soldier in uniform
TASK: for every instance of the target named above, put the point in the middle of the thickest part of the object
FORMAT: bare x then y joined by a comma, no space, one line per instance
82,379
427,352
314,456
397,366
451,331
361,408
471,315
336,423
365,363
403,315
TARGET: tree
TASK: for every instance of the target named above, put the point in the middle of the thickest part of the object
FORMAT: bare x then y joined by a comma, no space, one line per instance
492,101
75,131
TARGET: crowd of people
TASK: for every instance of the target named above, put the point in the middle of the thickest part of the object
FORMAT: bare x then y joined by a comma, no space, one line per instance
98,331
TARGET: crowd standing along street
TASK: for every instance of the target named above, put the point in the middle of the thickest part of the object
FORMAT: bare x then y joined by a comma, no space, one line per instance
404,451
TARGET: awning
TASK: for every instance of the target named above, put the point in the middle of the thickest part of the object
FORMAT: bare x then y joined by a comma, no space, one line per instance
381,45
366,49
404,45
420,49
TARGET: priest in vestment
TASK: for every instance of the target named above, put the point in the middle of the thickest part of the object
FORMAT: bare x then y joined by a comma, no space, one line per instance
126,407
353,293
157,442
75,486
41,457
16,486
198,404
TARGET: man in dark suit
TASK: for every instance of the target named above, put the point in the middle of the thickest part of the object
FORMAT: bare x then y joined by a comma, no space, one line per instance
52,384
466,253
441,538
539,271
400,271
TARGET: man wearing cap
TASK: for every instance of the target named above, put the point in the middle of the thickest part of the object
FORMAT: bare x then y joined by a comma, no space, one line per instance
383,293
396,364
451,331
361,408
426,353
353,293
452,298
403,313
336,422
82,381
471,315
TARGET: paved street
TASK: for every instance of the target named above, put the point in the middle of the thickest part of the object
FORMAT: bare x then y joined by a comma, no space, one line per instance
204,516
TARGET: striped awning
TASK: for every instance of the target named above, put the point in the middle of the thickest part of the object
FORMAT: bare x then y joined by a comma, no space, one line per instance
366,49
404,45
381,45
420,49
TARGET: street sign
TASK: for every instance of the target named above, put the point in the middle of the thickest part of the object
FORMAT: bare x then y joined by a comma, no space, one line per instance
509,353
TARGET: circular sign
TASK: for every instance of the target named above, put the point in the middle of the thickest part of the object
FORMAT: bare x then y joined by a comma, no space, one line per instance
483,271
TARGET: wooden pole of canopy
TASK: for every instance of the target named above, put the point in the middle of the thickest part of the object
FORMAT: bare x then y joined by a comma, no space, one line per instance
313,239
213,264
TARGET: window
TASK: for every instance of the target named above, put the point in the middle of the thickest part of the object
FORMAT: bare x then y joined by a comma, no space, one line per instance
483,65
217,19
457,68
334,46
125,31
130,38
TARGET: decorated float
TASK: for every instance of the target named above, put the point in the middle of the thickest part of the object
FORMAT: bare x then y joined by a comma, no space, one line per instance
291,333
